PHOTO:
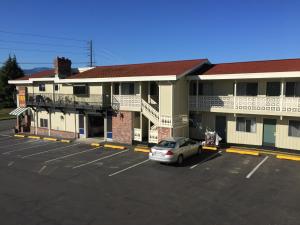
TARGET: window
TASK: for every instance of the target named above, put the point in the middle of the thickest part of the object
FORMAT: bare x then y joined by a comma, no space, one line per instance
43,123
273,89
246,124
116,87
247,89
292,89
294,128
127,89
80,89
41,87
56,87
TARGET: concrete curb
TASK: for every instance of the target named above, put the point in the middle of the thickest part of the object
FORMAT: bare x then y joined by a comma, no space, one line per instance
209,148
19,135
141,149
34,137
243,152
95,145
49,139
114,146
288,157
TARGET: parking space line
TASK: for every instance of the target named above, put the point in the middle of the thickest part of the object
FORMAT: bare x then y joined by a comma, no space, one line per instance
41,170
212,156
9,145
130,167
51,150
96,160
256,168
5,135
22,149
70,155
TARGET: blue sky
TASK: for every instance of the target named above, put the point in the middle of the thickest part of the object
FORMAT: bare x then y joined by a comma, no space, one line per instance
143,31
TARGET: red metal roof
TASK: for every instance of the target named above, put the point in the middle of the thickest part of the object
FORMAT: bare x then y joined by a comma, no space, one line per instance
144,69
42,74
283,65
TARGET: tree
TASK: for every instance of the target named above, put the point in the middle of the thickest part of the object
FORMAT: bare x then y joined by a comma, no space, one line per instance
9,71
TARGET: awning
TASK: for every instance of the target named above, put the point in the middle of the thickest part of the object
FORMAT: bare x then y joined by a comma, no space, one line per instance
18,111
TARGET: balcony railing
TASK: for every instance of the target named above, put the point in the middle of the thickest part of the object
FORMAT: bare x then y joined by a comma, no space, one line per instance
68,101
246,104
126,102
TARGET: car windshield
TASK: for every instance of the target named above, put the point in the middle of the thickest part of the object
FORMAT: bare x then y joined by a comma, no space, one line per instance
167,144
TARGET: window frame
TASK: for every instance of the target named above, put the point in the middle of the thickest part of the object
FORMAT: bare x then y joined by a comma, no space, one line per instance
289,131
42,87
246,119
43,123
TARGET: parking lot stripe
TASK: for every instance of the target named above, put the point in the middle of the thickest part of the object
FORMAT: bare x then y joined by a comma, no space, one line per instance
256,168
212,156
43,167
96,160
51,150
130,167
66,156
22,149
9,145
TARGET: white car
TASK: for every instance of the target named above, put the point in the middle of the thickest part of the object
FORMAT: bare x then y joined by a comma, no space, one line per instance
174,150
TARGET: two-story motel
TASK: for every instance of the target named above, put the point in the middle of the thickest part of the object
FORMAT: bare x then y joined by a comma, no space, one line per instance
247,103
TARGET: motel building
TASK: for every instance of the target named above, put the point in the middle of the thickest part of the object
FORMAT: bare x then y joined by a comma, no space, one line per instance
248,103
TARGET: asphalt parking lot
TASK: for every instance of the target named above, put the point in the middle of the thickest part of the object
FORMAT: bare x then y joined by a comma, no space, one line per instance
44,182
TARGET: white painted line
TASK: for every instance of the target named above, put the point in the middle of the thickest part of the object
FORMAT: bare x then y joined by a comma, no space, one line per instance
9,145
5,135
10,163
255,168
219,152
70,155
22,149
51,150
135,165
43,167
96,160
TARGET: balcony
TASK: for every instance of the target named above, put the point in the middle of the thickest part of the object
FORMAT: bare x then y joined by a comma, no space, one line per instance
92,102
264,105
127,102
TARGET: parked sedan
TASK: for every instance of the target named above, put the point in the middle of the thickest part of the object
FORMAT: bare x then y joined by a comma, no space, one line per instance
174,150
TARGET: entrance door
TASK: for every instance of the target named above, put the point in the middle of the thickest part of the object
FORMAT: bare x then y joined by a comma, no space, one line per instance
220,126
269,132
95,126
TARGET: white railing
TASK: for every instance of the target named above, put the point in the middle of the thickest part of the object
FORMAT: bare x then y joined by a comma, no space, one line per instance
257,104
127,101
150,112
153,136
165,121
137,134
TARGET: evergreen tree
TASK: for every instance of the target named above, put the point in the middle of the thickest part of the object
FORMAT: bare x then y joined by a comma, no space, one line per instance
9,71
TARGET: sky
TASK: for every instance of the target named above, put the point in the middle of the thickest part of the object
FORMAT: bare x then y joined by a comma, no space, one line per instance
137,31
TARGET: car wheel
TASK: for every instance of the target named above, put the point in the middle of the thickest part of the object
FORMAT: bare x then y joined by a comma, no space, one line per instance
180,160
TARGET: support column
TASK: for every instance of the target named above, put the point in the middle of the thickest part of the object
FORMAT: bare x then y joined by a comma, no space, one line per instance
234,94
282,95
36,121
49,125
105,126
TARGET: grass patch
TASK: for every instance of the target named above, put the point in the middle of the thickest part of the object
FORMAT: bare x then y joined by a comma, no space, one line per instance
4,114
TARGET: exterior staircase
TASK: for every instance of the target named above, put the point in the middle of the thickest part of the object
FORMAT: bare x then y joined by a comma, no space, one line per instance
150,112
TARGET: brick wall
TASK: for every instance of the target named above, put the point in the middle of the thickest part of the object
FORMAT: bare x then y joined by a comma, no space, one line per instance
163,133
122,127
54,133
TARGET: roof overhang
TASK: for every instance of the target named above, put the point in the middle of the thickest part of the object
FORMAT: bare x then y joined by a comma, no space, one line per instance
243,76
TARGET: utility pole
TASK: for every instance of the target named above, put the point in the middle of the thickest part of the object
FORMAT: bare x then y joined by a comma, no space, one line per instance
91,53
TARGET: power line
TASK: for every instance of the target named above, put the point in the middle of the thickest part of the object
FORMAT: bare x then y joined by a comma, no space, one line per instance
38,50
42,36
43,44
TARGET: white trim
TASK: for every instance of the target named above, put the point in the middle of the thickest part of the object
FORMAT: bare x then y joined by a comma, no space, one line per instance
294,74
97,80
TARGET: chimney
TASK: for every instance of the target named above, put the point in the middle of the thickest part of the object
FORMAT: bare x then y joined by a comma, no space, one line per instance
62,67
